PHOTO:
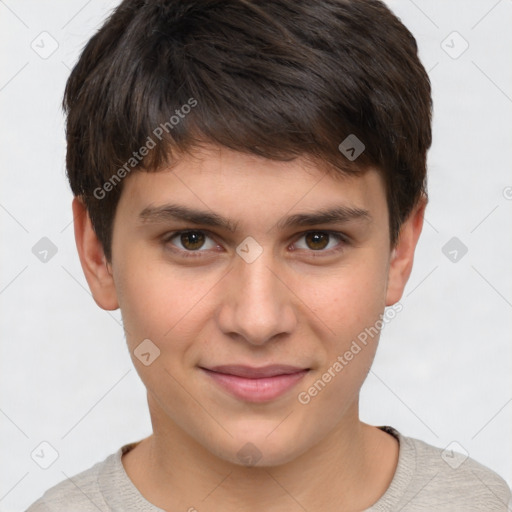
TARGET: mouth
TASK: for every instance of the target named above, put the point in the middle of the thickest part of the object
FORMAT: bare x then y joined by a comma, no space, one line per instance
255,384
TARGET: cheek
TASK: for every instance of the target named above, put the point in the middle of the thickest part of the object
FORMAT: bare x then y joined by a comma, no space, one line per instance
347,299
349,304
159,302
164,309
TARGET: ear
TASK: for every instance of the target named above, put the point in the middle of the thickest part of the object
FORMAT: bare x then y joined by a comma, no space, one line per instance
402,255
97,270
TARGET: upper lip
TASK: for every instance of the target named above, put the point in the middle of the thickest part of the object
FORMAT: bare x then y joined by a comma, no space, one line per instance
254,373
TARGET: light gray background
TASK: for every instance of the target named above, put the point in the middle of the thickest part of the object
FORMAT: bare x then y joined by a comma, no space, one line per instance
443,369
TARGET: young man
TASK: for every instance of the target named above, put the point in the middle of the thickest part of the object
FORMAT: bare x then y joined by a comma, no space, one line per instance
250,182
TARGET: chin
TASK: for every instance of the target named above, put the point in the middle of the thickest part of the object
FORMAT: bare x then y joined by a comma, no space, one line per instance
259,449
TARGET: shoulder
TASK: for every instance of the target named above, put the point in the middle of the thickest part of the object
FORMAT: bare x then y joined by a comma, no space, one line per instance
448,479
80,491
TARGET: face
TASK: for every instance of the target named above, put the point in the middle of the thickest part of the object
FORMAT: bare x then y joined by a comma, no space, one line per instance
256,281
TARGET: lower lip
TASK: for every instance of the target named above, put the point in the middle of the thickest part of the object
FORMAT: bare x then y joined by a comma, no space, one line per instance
256,390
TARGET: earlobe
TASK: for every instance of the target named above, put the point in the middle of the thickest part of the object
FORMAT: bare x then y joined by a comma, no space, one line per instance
97,270
402,255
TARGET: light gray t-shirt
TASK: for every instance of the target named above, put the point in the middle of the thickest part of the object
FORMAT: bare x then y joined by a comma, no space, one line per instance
427,479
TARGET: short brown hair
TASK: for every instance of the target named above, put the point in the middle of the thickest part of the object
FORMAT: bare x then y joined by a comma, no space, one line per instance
276,78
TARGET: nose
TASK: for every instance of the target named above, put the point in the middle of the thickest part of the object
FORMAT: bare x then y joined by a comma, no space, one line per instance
257,305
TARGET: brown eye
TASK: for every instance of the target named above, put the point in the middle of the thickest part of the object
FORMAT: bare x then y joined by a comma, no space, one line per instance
192,240
317,241
322,242
190,243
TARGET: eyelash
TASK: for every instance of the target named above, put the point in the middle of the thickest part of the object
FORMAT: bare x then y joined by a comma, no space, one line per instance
340,237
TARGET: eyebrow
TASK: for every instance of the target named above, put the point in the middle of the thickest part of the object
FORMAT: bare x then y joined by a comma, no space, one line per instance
169,212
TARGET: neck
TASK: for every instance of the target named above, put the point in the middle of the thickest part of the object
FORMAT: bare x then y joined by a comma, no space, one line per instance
350,468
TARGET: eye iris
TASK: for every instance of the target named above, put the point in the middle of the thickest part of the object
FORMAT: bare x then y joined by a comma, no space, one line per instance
196,237
314,239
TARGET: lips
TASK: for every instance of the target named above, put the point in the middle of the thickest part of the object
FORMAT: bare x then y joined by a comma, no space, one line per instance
255,384
250,372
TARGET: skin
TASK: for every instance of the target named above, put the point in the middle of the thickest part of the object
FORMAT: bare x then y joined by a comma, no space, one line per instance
287,306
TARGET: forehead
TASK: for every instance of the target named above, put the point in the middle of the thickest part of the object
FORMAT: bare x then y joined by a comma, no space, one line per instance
228,181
